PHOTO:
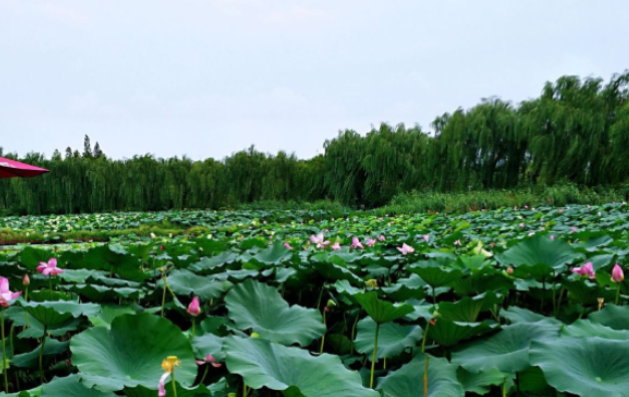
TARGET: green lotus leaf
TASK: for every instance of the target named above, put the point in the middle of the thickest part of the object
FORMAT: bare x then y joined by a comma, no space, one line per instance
53,314
406,288
612,316
533,381
448,333
344,287
382,311
392,338
259,307
17,315
30,359
588,367
292,370
31,257
210,247
131,352
214,262
334,268
506,351
434,274
214,325
273,255
199,391
517,315
79,276
71,386
408,380
208,344
467,309
589,329
108,313
184,282
480,383
539,250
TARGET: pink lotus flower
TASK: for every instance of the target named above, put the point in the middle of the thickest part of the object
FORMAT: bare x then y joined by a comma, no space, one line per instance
356,243
560,211
573,229
515,208
7,296
406,249
526,207
426,237
319,240
617,274
599,213
381,238
336,246
521,225
161,390
585,270
209,359
552,236
371,242
194,309
457,242
492,244
50,268
288,246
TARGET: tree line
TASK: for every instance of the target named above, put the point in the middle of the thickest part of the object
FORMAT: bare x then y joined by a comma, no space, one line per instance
576,131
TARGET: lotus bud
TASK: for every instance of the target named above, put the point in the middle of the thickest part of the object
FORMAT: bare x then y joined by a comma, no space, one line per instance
26,280
617,274
373,283
255,335
331,303
509,270
600,303
161,247
194,309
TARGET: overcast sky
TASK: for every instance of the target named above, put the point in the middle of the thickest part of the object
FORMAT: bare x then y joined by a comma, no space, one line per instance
206,78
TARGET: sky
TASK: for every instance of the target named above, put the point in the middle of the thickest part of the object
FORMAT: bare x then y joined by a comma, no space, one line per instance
207,78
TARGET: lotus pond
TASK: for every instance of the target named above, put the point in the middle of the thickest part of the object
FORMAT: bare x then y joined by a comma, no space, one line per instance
513,302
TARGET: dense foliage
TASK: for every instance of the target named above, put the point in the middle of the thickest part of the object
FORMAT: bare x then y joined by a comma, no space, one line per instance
523,301
577,131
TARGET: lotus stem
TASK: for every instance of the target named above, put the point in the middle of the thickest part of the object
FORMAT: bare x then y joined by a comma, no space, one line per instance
4,356
244,388
617,294
426,375
11,340
41,355
50,282
504,388
28,324
373,357
559,301
354,330
384,366
323,337
194,322
207,369
174,383
164,295
320,297
425,336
